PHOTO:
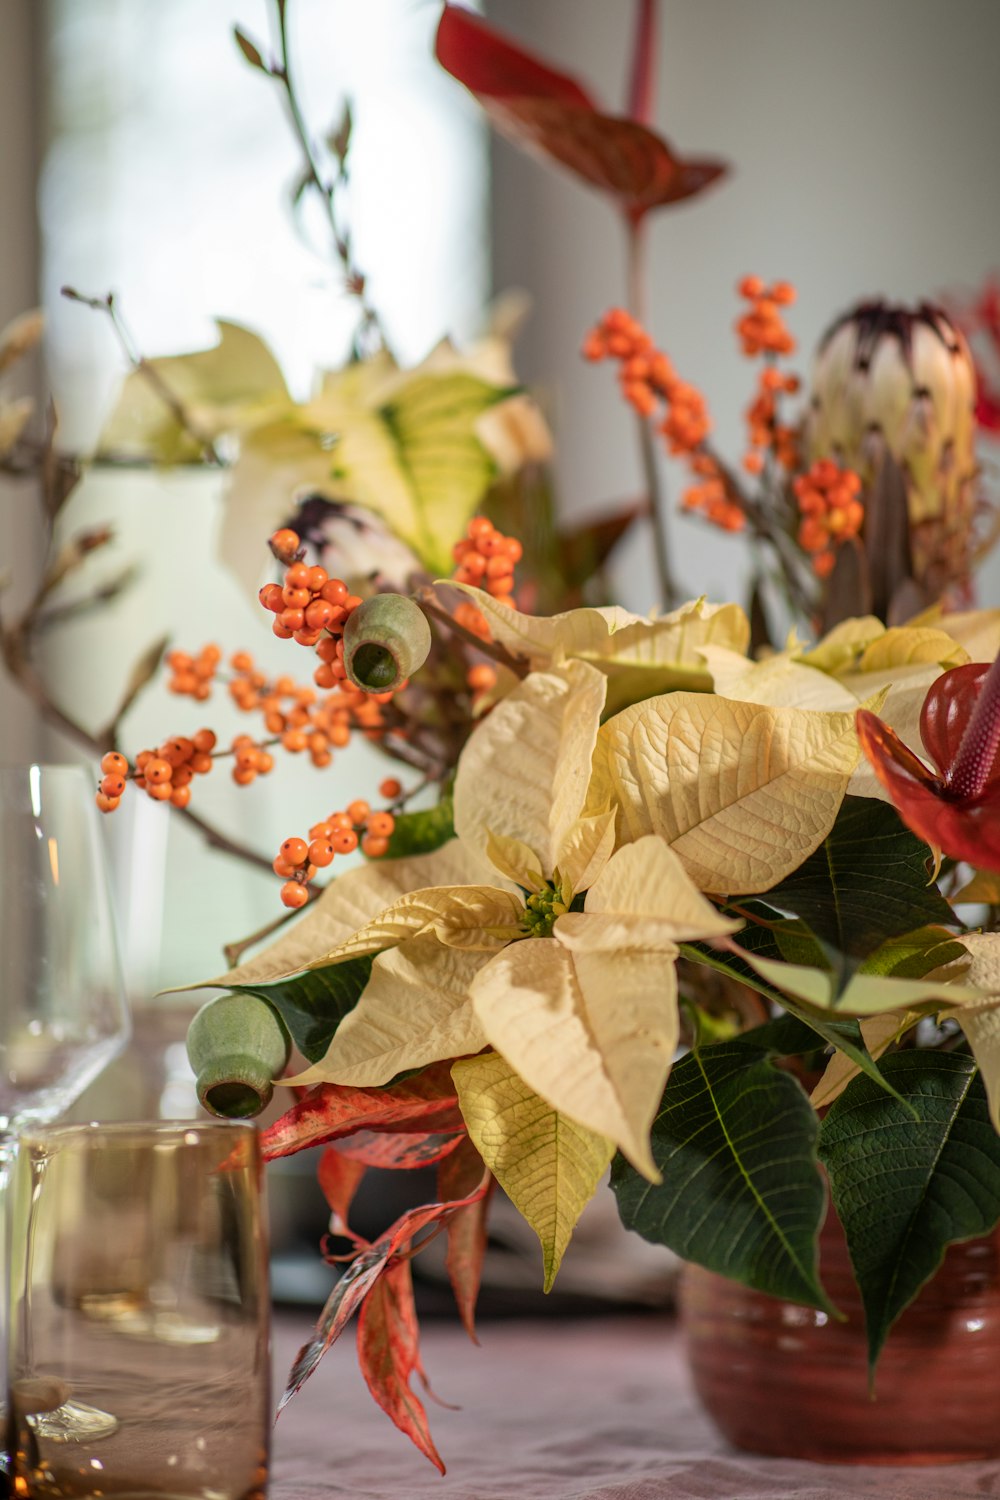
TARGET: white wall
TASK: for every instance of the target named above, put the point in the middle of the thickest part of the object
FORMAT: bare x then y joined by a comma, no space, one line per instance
865,139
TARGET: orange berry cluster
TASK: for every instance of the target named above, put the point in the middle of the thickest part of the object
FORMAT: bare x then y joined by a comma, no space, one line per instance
164,774
647,379
192,676
712,496
112,787
298,859
764,429
487,558
761,328
311,608
831,511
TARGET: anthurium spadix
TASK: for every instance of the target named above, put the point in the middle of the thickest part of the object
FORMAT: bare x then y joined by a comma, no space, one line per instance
562,960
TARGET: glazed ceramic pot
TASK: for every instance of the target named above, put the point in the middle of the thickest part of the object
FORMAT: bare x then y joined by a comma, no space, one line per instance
792,1382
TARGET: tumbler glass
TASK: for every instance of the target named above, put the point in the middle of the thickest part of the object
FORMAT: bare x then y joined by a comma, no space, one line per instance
139,1362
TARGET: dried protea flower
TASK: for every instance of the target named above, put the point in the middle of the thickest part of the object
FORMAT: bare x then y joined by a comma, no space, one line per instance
894,388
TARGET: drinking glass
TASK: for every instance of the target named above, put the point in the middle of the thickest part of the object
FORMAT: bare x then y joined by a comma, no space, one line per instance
62,1007
139,1348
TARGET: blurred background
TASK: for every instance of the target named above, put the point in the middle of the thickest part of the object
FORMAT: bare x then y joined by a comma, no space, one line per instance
141,154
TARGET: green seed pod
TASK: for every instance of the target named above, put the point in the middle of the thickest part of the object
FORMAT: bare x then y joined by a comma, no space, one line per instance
237,1045
386,640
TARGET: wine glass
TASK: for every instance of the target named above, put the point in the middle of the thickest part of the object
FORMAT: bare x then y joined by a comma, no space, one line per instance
63,1016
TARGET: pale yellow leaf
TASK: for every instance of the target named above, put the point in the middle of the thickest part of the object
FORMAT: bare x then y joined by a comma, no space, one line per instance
742,792
543,639
547,1165
904,646
14,417
20,335
346,905
981,1022
616,640
229,388
407,446
514,859
778,681
865,994
415,1010
584,852
643,898
524,770
842,645
878,1033
978,630
593,1033
461,916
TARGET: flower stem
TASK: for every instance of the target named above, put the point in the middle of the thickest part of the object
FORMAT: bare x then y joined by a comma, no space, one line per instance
977,751
637,284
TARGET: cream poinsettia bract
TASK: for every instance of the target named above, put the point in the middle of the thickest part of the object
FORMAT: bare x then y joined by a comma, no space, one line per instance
564,962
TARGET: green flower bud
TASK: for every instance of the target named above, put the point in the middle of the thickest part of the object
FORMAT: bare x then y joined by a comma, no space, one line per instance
386,640
237,1045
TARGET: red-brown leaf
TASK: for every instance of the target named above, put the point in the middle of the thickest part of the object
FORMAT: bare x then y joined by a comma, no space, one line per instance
619,156
358,1280
458,1175
968,830
426,1102
543,110
339,1177
389,1354
399,1152
491,65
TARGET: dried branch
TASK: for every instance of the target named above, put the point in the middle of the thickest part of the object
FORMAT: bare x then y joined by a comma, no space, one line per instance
428,602
313,176
148,370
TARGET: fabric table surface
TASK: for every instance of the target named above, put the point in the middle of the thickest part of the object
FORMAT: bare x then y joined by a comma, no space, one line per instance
596,1409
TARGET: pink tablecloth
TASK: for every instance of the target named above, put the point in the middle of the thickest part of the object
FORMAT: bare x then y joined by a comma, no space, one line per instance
592,1410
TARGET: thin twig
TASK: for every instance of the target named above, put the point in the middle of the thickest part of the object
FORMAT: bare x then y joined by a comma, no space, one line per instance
427,600
216,839
233,952
637,275
148,370
354,279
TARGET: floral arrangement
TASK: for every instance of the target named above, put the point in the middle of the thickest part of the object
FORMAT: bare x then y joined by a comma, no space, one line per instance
719,913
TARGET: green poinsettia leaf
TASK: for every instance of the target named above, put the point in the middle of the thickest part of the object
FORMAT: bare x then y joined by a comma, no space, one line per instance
867,881
422,832
735,1141
938,1179
313,1005
752,939
797,1033
914,955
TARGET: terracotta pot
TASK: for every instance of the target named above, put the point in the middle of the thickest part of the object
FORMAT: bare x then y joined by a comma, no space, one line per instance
789,1381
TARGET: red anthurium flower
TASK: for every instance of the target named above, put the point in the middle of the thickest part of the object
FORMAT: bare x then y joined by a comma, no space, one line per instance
957,810
536,106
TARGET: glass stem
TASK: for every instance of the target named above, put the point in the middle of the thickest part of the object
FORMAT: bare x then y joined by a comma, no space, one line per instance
8,1155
